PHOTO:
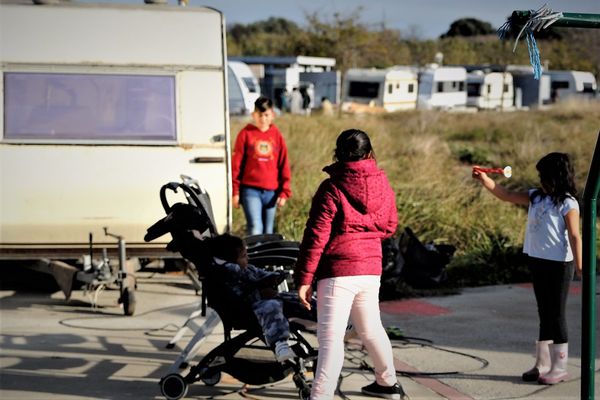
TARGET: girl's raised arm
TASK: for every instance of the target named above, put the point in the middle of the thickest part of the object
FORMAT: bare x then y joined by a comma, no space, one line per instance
500,191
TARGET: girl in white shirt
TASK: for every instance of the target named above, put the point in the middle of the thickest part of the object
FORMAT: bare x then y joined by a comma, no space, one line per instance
553,246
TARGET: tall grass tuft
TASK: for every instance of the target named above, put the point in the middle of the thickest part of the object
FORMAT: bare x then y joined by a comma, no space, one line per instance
427,156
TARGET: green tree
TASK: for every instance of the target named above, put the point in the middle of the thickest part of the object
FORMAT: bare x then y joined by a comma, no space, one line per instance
469,27
270,37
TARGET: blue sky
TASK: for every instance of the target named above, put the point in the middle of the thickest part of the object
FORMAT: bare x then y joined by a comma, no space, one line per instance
429,18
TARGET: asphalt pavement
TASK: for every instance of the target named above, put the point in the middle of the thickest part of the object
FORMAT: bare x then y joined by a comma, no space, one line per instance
473,345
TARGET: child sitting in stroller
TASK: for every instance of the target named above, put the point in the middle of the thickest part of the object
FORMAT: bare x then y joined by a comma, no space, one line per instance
256,287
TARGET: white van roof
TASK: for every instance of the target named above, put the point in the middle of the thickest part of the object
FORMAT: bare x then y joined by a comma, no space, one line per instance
446,73
374,74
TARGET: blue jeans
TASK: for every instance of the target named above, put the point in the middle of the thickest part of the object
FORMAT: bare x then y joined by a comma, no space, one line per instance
259,207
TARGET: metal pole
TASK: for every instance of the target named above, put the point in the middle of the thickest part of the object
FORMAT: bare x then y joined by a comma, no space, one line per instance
588,315
568,20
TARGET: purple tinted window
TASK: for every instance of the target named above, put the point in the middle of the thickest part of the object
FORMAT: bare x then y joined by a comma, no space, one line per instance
89,107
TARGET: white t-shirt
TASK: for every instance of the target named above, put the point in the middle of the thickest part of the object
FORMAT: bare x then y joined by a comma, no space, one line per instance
546,235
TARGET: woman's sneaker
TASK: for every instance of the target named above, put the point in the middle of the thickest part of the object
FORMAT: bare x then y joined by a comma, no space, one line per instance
283,352
386,392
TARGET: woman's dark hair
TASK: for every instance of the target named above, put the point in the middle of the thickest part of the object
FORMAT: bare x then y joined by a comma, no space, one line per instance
353,145
263,104
556,176
226,247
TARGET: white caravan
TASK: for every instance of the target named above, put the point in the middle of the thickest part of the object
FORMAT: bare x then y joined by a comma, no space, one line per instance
102,105
243,88
442,88
391,89
492,90
572,84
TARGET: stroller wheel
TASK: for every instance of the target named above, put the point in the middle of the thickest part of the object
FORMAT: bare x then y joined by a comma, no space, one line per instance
304,393
211,380
173,387
302,385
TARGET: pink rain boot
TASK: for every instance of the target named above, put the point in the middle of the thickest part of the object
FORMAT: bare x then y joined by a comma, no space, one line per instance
558,372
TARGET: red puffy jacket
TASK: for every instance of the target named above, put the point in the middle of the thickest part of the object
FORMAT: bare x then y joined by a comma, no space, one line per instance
351,213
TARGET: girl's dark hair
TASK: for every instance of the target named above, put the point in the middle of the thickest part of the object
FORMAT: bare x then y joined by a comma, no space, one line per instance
263,104
557,177
353,145
226,247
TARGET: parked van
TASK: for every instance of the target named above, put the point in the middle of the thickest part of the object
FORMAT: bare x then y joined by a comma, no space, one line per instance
572,84
490,91
243,88
391,89
102,105
442,88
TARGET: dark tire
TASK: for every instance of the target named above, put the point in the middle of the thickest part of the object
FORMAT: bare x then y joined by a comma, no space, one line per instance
304,394
173,387
211,380
128,299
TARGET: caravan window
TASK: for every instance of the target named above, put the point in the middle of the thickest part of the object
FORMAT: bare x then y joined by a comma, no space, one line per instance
250,84
89,107
560,85
588,87
411,87
390,88
369,90
440,87
473,89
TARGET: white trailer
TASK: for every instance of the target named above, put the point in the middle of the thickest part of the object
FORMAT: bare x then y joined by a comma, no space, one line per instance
492,90
243,88
442,88
102,105
391,89
572,84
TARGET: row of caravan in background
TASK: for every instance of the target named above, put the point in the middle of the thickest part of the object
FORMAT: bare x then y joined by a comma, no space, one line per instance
400,88
454,87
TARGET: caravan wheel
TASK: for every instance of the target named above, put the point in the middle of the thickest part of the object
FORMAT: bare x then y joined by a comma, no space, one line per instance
128,300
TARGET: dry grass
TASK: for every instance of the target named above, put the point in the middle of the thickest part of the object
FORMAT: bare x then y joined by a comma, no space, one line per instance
428,155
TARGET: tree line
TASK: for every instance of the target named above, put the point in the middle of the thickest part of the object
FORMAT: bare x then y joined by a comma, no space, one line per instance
355,44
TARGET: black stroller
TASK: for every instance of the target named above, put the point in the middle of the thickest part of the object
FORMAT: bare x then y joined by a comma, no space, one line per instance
246,357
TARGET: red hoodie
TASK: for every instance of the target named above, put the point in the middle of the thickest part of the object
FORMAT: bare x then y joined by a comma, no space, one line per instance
260,160
351,213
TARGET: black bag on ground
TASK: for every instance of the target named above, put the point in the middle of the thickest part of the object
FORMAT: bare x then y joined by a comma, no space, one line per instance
424,265
392,259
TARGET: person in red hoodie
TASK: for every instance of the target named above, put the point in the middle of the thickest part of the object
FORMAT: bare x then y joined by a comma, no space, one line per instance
261,174
351,213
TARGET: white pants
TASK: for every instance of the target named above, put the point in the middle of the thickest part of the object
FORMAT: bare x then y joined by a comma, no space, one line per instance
356,297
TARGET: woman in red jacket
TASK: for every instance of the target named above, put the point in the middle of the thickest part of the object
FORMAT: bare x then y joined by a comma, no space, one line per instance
351,213
260,170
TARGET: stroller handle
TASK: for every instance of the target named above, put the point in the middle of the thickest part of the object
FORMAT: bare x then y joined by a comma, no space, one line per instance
191,194
163,194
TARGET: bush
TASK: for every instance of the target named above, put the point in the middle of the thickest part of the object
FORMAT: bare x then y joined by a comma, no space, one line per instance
435,194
